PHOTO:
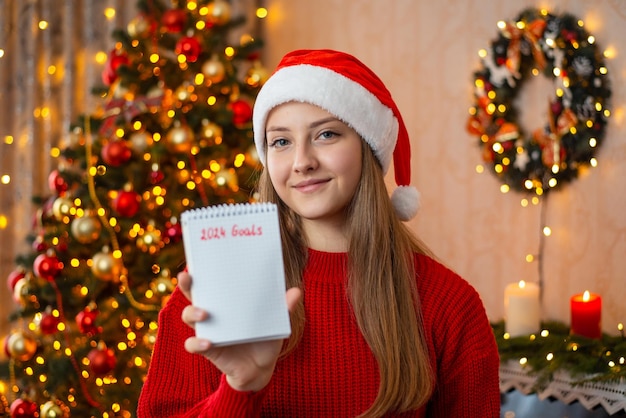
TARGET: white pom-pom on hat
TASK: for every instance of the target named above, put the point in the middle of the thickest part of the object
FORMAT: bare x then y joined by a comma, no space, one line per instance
406,201
345,87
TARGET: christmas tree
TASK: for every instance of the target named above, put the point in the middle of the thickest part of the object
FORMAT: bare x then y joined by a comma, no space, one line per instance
173,132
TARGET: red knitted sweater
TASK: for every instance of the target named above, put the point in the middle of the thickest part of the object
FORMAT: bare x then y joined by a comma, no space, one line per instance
332,372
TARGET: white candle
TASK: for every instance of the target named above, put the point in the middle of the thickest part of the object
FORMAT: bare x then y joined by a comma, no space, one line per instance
521,309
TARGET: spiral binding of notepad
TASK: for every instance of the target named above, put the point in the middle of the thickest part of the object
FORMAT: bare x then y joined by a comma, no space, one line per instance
228,209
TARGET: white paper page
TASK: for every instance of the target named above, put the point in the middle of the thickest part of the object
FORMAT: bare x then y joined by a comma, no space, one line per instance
235,259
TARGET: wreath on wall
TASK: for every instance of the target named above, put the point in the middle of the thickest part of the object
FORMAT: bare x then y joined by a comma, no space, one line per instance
545,158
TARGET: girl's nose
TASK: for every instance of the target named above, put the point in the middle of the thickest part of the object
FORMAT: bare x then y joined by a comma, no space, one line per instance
304,159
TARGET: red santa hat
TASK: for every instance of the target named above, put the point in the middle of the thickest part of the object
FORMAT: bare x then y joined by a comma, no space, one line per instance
343,86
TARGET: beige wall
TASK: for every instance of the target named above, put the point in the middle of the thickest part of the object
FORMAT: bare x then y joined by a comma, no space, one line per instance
426,51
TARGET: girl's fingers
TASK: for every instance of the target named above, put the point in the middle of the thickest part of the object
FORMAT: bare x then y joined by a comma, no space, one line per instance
184,283
293,296
192,314
197,345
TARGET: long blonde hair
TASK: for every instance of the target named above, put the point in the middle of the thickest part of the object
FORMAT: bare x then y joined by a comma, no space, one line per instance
381,288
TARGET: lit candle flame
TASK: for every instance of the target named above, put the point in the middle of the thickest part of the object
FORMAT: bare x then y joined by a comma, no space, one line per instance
522,284
586,296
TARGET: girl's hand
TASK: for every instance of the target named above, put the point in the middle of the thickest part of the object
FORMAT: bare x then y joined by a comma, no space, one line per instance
249,366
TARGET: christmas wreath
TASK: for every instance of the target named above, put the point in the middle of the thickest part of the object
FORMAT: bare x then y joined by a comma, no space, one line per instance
544,158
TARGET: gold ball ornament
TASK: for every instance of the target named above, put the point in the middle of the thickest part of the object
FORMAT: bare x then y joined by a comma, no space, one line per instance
214,69
140,141
257,75
184,92
219,12
211,133
21,292
139,26
86,229
61,207
21,346
162,286
53,409
150,240
106,267
226,181
179,139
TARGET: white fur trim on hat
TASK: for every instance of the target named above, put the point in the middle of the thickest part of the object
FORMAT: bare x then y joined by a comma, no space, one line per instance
348,100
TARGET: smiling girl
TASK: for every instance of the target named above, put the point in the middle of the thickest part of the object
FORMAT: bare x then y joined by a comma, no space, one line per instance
379,328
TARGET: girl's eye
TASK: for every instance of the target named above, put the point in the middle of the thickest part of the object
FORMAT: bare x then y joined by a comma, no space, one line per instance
278,142
328,135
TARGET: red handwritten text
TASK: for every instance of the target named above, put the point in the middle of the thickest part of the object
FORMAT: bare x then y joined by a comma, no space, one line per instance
219,232
249,231
212,233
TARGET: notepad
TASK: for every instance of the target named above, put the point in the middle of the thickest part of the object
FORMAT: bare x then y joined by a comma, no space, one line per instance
234,257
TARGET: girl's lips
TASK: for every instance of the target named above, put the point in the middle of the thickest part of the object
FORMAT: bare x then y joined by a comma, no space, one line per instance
310,185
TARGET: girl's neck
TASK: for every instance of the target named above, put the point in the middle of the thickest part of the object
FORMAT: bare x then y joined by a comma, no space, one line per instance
323,236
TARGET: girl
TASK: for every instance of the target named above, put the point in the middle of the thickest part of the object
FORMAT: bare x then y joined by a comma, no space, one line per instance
379,328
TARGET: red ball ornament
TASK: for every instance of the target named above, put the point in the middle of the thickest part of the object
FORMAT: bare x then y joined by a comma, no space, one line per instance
61,247
56,182
49,323
101,361
189,47
569,35
242,112
7,352
14,277
23,408
174,20
116,153
39,244
108,76
47,266
116,59
127,203
86,321
156,176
